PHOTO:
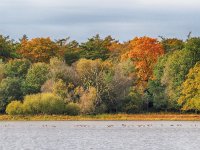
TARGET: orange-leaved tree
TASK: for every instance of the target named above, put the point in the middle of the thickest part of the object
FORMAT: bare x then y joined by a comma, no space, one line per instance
144,53
39,49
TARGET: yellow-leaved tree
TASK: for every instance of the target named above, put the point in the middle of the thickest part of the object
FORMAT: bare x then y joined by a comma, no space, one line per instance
190,94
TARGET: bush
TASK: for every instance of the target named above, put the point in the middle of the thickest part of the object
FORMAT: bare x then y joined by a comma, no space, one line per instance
32,103
14,108
72,109
101,109
45,103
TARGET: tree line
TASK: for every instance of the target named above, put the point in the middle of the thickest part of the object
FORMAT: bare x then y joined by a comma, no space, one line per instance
100,75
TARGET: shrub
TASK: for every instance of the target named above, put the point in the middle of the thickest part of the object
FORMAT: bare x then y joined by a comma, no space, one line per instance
72,109
52,104
101,109
14,108
32,103
45,103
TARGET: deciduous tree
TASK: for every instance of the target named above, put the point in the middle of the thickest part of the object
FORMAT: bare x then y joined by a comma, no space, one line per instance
144,53
190,93
39,49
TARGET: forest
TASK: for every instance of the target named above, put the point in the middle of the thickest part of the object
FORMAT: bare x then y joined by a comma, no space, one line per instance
100,75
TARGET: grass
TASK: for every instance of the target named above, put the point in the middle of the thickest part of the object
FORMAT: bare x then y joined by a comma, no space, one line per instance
117,117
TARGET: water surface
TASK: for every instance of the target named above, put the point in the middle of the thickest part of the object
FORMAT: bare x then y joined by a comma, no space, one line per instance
100,135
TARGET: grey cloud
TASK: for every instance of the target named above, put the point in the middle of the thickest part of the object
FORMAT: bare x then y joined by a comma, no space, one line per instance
122,19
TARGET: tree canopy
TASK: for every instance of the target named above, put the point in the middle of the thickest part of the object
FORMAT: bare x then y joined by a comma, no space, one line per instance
99,75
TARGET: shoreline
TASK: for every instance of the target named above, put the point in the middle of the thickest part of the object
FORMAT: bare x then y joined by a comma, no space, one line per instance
105,117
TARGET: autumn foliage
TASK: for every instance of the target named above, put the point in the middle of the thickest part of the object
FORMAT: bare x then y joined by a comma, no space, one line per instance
39,49
100,75
190,94
144,52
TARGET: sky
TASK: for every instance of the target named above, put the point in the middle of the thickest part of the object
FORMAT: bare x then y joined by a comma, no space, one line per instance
81,19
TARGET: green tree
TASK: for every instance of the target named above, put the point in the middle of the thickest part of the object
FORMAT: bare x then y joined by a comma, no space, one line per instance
176,68
172,44
155,87
193,45
7,48
71,52
10,89
96,48
36,77
157,95
17,68
133,103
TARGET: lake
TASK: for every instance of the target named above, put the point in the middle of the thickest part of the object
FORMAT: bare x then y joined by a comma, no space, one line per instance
100,135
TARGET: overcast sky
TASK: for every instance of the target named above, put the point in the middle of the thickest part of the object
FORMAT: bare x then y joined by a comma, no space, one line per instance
80,19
